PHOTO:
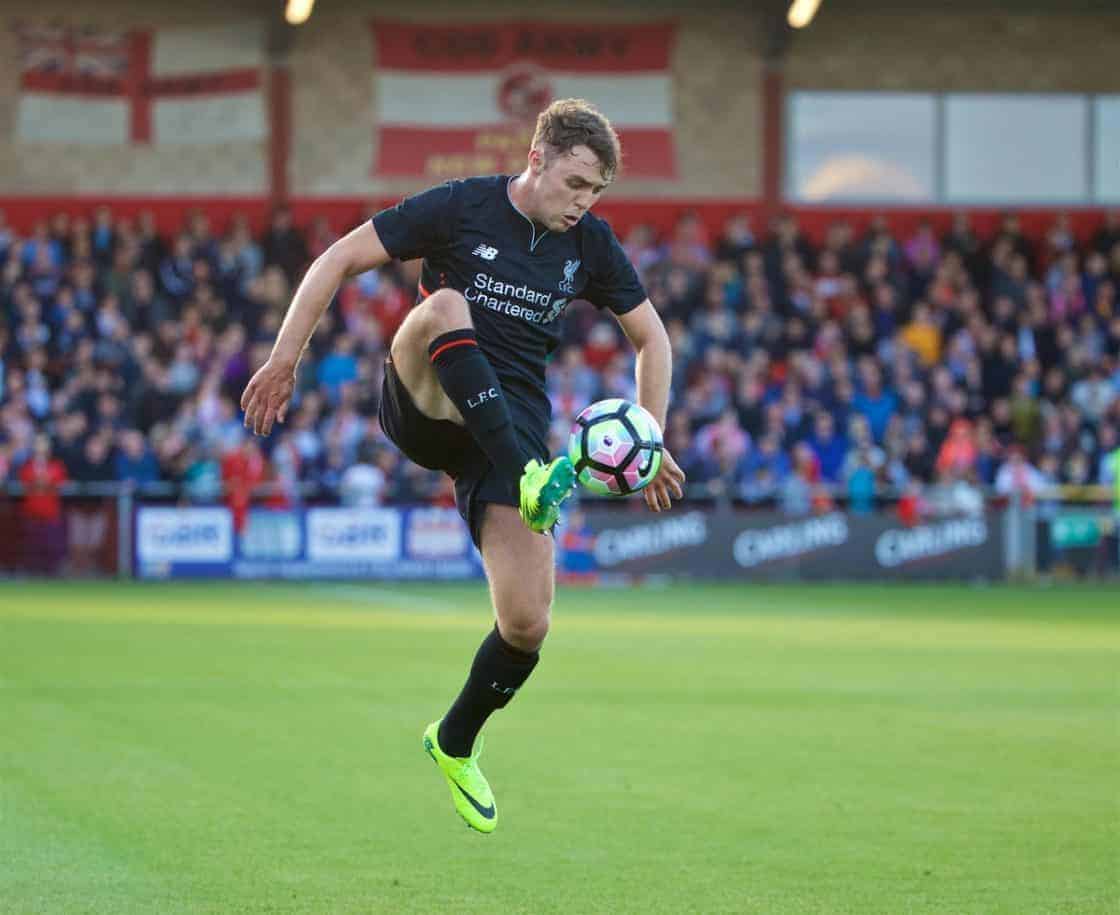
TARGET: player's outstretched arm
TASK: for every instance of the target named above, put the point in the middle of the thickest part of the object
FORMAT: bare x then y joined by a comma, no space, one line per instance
644,330
269,391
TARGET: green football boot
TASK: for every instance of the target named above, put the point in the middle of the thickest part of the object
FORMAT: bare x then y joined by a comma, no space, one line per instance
469,789
543,488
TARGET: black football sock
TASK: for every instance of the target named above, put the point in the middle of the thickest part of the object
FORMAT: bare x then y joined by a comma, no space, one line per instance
468,378
497,673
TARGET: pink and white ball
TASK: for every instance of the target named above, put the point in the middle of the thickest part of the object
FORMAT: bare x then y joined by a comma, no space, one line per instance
615,447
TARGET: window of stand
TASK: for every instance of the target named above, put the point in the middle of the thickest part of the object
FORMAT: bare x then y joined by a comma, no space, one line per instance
1016,148
861,146
952,148
1106,148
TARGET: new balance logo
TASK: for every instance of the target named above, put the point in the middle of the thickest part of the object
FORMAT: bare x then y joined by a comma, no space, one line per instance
486,252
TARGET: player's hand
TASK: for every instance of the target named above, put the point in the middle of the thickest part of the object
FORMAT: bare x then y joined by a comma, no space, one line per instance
267,396
666,486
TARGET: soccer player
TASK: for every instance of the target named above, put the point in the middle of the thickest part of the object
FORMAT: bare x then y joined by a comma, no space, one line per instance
464,388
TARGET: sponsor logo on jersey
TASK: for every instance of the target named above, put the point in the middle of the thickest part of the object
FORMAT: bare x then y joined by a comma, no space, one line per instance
487,252
554,311
506,298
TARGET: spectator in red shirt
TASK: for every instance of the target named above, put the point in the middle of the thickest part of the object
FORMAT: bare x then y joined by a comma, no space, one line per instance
320,237
911,504
243,469
600,347
958,453
391,304
42,475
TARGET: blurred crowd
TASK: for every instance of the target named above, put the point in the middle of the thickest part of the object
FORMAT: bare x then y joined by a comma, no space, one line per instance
933,367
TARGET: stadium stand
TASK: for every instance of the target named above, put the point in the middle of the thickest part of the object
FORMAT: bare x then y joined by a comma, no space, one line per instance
927,365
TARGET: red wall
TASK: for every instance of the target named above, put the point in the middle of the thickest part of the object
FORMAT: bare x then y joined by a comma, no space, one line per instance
343,213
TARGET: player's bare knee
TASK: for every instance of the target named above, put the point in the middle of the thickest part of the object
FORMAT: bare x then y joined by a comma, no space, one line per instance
525,632
443,311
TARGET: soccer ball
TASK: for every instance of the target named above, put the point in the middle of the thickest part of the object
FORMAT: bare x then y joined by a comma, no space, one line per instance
615,447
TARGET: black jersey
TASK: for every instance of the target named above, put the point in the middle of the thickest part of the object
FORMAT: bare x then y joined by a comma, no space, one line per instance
517,277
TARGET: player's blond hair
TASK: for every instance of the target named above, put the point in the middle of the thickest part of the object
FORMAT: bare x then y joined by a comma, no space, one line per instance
571,122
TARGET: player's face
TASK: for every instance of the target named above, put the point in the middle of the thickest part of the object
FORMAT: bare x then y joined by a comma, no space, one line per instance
568,185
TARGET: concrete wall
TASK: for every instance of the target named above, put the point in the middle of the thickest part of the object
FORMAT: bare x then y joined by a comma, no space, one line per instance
49,168
961,50
716,101
716,72
716,76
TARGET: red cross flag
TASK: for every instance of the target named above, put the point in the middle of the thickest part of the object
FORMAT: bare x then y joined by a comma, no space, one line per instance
463,99
167,86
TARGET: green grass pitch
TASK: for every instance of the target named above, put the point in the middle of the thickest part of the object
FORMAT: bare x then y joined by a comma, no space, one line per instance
227,748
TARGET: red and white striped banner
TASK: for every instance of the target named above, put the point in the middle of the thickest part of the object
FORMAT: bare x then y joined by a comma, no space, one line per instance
169,86
463,99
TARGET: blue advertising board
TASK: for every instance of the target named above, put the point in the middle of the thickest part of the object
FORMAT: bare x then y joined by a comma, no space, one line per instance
384,543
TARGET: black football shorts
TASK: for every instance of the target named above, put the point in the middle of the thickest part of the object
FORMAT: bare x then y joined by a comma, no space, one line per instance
439,444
